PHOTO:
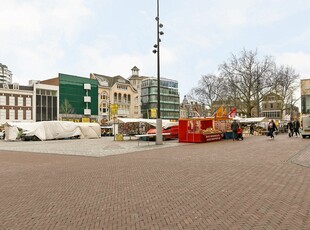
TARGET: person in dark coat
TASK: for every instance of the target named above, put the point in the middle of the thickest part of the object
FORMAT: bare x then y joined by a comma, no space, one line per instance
271,128
290,128
234,128
251,129
296,126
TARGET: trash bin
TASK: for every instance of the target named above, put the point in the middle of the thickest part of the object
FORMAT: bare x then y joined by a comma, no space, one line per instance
119,137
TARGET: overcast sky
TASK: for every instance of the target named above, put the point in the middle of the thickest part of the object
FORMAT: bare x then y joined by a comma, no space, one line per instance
41,38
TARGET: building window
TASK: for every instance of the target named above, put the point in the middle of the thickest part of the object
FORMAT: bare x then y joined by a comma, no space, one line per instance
12,114
15,86
104,96
2,100
28,115
12,101
2,114
20,115
271,105
28,101
20,101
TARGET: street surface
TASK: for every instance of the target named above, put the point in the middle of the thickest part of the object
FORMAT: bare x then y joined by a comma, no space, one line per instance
104,184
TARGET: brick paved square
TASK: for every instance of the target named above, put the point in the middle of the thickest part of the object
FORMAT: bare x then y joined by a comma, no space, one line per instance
250,184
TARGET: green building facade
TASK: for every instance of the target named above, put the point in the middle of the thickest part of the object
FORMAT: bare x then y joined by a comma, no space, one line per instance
78,98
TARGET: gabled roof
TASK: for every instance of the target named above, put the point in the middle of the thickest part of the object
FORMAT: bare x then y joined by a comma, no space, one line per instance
104,80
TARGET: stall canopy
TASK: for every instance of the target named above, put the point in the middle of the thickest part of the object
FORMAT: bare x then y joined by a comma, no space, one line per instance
149,121
253,120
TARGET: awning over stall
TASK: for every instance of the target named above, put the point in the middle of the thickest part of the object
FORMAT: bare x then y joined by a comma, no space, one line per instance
137,120
254,120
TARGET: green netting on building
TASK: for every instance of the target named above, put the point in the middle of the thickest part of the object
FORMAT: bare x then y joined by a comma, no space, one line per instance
72,88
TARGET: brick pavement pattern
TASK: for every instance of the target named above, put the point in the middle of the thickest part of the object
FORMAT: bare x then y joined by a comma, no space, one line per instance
250,184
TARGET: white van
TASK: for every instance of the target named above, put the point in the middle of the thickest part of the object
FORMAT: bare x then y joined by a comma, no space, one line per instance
305,129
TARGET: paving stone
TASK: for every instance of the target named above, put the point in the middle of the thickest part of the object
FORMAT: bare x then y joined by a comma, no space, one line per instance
102,184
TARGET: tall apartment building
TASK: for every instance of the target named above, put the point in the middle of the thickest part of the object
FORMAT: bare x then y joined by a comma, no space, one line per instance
169,98
5,74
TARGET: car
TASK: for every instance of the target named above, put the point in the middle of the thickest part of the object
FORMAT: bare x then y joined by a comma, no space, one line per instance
172,130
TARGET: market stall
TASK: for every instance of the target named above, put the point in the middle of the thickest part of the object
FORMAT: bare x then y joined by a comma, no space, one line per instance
200,130
196,130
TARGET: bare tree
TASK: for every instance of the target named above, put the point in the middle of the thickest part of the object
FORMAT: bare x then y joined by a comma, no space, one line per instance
248,79
210,89
285,86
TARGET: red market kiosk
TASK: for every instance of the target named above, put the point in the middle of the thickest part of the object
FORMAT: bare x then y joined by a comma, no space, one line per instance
191,130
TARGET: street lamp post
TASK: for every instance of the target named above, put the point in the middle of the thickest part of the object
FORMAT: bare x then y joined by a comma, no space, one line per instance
159,136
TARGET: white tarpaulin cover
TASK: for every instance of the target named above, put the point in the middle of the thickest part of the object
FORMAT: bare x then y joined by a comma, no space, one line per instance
49,130
89,130
11,133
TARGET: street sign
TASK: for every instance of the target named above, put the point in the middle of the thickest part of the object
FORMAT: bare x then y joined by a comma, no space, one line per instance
114,109
153,113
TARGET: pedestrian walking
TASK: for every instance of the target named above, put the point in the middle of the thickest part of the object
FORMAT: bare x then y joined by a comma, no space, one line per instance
271,129
251,129
290,128
234,128
296,126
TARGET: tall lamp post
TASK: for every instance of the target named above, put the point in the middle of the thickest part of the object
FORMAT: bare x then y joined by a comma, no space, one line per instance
159,136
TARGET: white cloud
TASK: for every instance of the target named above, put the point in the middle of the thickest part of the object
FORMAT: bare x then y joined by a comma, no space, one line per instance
299,61
94,60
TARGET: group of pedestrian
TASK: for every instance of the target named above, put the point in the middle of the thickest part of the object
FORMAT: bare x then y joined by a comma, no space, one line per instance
293,128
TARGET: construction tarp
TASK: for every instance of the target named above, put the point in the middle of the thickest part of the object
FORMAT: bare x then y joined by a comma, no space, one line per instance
49,130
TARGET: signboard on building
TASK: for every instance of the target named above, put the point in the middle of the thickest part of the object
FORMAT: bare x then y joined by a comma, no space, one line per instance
153,113
86,119
114,109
